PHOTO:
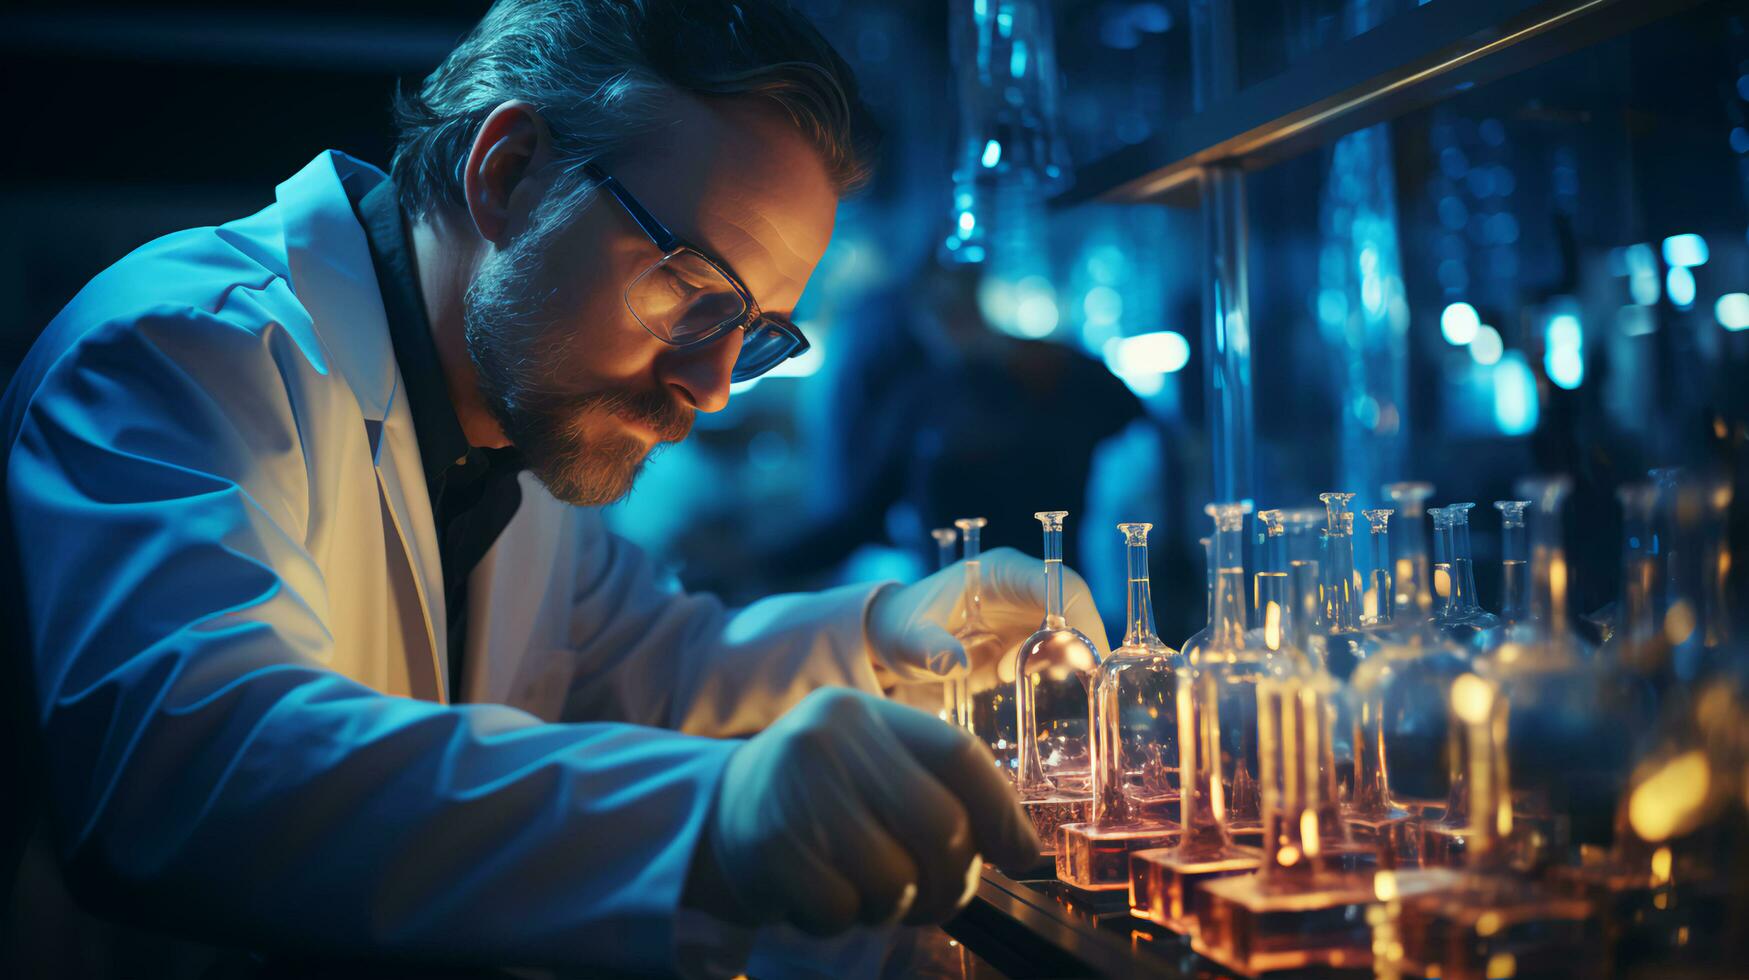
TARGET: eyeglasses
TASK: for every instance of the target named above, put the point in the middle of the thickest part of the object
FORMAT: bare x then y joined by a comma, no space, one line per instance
687,299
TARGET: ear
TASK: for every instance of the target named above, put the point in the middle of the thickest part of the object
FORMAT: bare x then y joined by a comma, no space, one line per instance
512,146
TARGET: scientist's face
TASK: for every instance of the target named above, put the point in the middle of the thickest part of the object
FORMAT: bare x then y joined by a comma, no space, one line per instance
572,377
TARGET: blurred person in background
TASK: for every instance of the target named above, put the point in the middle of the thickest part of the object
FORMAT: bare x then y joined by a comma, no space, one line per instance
321,647
935,415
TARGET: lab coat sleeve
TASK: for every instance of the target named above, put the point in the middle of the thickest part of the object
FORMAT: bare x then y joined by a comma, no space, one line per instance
207,775
652,654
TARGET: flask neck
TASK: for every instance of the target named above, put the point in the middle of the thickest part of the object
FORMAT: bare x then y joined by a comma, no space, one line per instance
1384,578
1514,577
1139,613
1054,617
1227,618
1414,569
1548,593
1344,611
974,596
1463,573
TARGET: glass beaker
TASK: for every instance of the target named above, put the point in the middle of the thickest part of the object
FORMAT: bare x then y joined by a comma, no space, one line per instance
1217,750
1135,760
1052,671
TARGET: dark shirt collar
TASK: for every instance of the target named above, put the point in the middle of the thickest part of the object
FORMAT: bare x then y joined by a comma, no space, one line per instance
442,443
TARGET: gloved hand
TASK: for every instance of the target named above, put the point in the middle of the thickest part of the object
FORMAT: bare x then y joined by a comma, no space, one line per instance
911,627
852,809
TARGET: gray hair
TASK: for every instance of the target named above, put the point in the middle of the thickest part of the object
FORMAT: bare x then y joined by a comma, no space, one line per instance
596,70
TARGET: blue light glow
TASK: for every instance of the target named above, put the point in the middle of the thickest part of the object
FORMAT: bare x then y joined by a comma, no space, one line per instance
1564,331
1687,251
1035,311
1515,408
1566,366
1459,323
1732,311
1144,361
1487,347
992,153
967,223
1680,284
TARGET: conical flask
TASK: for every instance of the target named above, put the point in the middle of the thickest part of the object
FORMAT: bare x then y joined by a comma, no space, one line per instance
1135,760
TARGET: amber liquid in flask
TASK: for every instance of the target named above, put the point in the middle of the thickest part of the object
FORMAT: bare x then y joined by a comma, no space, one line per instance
1306,905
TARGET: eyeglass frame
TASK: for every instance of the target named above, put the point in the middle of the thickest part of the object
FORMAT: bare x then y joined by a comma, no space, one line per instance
671,244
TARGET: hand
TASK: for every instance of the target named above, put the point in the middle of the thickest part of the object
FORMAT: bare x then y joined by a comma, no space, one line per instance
911,628
852,809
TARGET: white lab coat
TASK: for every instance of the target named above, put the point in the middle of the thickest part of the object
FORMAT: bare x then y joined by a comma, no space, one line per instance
236,623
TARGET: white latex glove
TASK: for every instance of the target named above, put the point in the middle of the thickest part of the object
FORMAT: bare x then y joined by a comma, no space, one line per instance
911,627
852,809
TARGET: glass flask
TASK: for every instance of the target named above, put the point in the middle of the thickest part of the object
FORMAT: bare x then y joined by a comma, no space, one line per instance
1050,693
1477,922
1135,758
1341,645
946,552
1373,708
1463,618
1401,695
987,712
1306,905
1666,876
1217,751
1514,565
1413,575
1566,752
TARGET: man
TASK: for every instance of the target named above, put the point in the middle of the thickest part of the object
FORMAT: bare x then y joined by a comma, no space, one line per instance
324,650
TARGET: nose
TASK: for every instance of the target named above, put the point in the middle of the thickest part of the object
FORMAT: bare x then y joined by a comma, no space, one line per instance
701,376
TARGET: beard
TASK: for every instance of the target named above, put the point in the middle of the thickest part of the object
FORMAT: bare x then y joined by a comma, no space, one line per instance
569,441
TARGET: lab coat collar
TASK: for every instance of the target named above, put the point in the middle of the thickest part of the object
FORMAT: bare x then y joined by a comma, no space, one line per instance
334,280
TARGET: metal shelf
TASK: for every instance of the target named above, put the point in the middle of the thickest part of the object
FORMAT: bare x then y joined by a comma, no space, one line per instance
1413,59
